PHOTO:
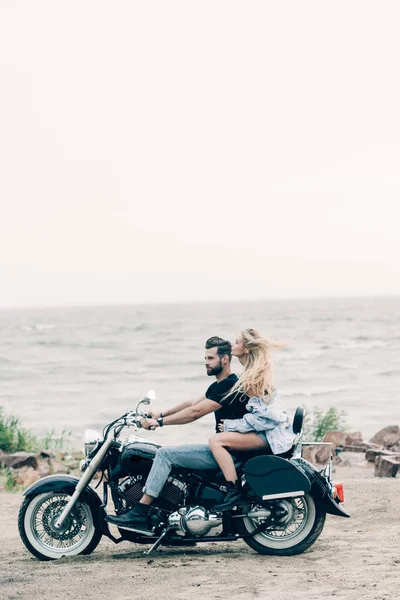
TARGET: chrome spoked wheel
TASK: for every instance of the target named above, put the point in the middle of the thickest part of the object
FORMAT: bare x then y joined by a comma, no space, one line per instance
37,520
297,524
295,518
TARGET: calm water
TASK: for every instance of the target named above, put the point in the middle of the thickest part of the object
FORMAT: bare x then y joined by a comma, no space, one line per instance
82,367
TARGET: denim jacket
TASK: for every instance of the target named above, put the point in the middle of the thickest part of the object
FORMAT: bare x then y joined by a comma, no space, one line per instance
268,416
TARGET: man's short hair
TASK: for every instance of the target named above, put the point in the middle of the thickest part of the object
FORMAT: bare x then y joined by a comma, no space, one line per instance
223,346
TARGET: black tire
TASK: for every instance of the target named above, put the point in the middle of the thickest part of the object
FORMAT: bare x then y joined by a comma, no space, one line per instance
281,541
36,516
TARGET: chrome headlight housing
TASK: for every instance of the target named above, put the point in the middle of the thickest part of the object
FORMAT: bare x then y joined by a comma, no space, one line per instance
92,440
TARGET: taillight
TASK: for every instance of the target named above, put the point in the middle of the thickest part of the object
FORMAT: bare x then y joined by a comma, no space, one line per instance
338,491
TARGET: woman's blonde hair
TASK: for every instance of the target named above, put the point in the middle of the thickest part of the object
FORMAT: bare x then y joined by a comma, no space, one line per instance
257,376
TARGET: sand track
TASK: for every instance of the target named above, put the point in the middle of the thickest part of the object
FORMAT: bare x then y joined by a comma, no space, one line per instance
356,558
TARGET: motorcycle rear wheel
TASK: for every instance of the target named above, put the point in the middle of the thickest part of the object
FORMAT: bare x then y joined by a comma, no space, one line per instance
36,520
296,532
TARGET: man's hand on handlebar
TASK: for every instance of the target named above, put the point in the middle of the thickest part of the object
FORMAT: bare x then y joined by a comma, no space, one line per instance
154,414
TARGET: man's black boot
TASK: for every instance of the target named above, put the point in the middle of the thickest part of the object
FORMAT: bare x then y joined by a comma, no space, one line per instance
232,496
135,519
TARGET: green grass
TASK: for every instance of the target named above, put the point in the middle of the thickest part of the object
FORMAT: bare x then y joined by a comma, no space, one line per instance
56,442
319,422
13,436
8,480
16,438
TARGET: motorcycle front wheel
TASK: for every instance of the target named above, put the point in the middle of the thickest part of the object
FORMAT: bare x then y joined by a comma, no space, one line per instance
300,524
36,524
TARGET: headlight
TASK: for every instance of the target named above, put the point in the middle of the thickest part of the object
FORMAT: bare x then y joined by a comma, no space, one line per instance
92,440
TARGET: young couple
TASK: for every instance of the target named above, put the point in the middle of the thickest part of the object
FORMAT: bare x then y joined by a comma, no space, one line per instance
249,415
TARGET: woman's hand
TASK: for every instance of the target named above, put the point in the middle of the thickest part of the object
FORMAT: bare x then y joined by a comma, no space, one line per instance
149,423
221,426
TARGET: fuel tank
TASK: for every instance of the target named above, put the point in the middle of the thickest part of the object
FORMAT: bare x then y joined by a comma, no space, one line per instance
137,457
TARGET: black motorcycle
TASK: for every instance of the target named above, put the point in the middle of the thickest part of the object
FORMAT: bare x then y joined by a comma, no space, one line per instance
282,511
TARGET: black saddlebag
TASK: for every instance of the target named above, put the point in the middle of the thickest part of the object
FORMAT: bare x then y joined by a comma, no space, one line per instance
272,477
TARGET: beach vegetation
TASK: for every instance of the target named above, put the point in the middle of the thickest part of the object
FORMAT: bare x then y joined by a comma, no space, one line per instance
8,480
56,442
13,436
16,438
319,422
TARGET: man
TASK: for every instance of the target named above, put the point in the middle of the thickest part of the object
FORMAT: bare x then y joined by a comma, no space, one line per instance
218,357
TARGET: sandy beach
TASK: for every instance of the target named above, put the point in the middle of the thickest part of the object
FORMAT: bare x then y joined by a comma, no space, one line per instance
353,558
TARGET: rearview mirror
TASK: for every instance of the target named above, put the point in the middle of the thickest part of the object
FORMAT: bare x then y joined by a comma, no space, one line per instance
150,396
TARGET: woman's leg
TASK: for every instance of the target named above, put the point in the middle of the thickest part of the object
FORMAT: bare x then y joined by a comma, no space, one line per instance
234,441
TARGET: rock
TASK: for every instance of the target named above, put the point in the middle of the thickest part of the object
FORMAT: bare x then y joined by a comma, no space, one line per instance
26,476
17,460
308,453
337,438
361,448
45,454
323,454
387,466
317,454
391,439
353,439
44,469
56,467
388,435
373,453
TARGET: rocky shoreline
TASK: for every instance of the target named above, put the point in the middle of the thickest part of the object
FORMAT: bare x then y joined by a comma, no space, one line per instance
27,467
347,449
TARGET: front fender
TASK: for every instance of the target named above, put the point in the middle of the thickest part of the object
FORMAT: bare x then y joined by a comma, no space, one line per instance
67,484
54,482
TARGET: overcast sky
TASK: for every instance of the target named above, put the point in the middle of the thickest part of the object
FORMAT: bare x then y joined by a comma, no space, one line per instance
179,151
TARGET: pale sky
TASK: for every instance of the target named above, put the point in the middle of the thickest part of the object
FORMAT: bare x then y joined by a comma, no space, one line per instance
190,151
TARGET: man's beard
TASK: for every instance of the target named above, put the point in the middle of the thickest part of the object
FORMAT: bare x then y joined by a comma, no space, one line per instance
216,370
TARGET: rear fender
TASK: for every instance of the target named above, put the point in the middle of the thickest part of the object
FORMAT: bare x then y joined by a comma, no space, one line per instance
67,484
321,493
320,488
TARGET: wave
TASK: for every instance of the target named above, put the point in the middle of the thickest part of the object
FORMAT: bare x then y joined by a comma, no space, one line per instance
300,355
193,378
39,327
7,361
362,344
343,367
390,373
310,393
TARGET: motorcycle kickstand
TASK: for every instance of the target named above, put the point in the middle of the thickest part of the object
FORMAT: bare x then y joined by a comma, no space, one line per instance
158,542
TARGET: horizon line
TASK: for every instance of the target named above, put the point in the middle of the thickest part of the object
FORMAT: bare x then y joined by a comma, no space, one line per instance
180,302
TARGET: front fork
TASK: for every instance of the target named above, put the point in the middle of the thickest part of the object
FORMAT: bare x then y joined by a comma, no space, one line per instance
84,481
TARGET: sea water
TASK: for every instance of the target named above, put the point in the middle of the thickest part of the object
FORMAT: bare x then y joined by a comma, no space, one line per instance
81,367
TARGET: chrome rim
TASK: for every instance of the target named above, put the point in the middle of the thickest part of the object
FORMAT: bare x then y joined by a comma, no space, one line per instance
293,519
74,531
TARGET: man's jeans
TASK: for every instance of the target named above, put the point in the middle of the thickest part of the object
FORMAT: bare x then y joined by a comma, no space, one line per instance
196,456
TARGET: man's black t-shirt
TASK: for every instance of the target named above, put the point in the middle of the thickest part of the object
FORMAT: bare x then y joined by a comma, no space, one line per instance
232,407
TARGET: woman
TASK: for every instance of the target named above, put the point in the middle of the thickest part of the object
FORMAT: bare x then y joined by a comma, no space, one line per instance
266,426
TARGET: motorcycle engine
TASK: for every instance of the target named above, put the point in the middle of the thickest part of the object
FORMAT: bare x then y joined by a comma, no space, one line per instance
131,489
195,520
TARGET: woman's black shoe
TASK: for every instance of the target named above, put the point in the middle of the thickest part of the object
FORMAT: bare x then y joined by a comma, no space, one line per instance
232,497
